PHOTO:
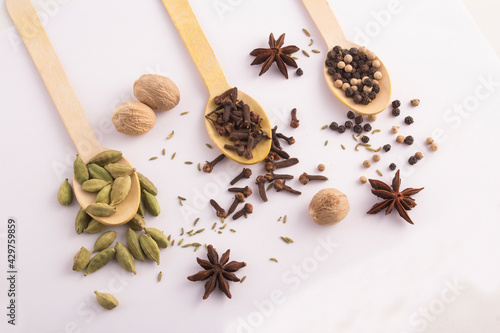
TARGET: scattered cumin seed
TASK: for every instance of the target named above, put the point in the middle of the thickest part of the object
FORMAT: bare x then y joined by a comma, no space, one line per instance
185,112
180,201
173,242
159,276
315,51
169,236
326,142
199,167
213,226
199,231
294,58
196,248
208,145
273,259
195,244
243,279
186,245
279,219
173,155
343,148
284,219
375,131
180,242
196,221
170,135
305,53
311,42
182,231
188,162
181,198
270,186
324,127
379,173
289,240
354,137
219,232
284,239
153,158
163,152
306,32
232,230
221,228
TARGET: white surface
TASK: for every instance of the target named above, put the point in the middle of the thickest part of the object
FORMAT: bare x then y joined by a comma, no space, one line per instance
485,15
381,274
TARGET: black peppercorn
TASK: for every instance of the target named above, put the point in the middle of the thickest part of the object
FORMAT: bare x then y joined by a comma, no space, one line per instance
392,166
409,140
366,100
368,82
330,55
336,49
409,120
348,124
367,127
341,129
412,160
376,88
396,104
351,115
353,51
300,71
336,76
329,63
349,92
365,139
357,128
386,148
334,126
396,112
358,120
372,95
357,98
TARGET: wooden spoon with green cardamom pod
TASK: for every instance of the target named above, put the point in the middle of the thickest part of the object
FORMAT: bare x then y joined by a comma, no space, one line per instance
332,33
203,56
38,44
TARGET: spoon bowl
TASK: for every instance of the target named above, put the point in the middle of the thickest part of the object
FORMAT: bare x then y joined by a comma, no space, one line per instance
204,58
38,44
333,35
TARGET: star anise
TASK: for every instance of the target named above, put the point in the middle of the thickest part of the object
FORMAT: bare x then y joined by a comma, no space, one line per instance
401,201
218,272
276,53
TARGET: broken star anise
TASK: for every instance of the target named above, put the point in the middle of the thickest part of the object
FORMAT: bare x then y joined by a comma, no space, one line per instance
218,272
275,53
401,201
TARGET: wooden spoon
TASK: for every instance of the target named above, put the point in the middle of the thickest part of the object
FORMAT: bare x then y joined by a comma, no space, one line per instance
332,33
204,58
70,110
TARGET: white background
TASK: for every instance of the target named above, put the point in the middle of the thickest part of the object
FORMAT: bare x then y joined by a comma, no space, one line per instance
381,275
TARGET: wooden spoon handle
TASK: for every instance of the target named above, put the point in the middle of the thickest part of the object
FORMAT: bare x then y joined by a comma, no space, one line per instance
46,61
203,56
325,20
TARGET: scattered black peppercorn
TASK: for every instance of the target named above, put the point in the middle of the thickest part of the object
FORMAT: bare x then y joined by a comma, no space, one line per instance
392,166
365,139
396,112
367,127
334,126
409,140
386,148
396,104
349,93
351,115
299,71
357,98
409,120
348,124
357,128
412,160
341,129
358,120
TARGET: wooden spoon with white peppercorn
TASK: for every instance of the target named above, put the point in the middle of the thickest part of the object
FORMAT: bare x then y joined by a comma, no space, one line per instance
38,44
204,58
332,33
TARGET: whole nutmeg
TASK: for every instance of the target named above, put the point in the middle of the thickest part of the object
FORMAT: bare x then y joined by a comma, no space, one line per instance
133,118
156,91
329,206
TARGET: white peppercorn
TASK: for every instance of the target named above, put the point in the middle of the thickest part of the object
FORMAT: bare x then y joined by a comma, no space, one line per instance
338,84
377,75
429,141
415,102
434,146
376,63
372,117
400,139
321,167
354,82
367,89
348,58
363,179
348,68
341,65
345,86
376,157
394,129
367,164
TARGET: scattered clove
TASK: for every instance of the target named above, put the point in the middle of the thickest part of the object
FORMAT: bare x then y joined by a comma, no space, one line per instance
305,178
245,173
208,167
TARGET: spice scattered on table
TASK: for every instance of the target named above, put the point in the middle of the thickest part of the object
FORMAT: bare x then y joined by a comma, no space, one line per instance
329,206
275,53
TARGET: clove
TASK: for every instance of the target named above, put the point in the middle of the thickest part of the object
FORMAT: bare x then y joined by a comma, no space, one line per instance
294,122
245,173
219,211
239,197
247,191
261,181
305,178
208,166
247,209
279,185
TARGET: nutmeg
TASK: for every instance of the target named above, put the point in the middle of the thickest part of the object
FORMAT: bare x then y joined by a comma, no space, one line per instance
133,118
156,91
329,206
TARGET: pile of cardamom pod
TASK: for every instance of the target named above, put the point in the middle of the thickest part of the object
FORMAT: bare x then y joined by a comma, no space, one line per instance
111,181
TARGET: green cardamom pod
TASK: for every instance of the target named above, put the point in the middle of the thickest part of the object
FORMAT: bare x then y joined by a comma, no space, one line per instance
95,227
81,259
121,188
151,203
94,185
104,195
134,245
136,223
106,300
65,193
80,170
119,170
146,184
125,258
142,209
106,157
104,241
100,260
150,248
158,236
100,209
81,221
98,172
